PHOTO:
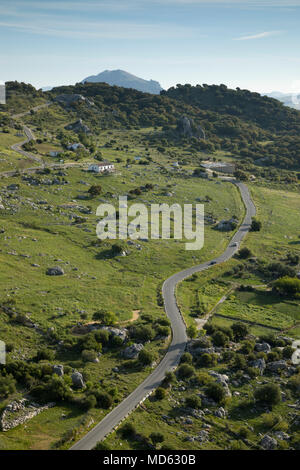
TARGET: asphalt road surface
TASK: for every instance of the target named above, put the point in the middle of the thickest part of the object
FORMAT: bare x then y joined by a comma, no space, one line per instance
179,336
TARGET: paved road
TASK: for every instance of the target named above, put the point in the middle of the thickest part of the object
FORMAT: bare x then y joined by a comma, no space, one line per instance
179,340
29,134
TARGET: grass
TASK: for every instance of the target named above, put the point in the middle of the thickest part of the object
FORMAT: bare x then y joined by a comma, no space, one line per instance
44,235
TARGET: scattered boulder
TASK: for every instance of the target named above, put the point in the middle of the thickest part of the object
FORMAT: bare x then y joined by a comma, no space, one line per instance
282,436
221,413
58,369
222,379
268,443
77,380
55,271
262,347
132,352
77,127
276,366
259,364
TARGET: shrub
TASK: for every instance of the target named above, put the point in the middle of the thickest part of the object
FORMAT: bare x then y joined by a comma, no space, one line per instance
170,378
156,437
105,317
268,394
128,431
192,331
143,333
240,330
95,190
216,391
185,371
186,358
208,360
160,393
88,356
255,225
219,338
45,354
7,385
193,401
145,357
244,253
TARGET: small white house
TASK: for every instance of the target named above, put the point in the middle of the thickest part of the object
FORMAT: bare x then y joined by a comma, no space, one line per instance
101,167
54,153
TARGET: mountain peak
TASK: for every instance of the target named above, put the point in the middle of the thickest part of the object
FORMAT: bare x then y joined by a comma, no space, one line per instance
124,79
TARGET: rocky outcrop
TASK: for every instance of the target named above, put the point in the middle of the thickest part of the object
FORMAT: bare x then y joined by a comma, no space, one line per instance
77,380
55,271
77,127
227,225
268,443
276,366
187,128
20,411
262,347
58,369
132,352
259,364
72,98
221,379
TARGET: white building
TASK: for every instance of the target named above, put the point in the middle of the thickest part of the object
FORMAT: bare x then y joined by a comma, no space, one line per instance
101,167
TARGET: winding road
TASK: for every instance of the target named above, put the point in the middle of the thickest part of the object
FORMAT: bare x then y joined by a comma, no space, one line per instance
179,336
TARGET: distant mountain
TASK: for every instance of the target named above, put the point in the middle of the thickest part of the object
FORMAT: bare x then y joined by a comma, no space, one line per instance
47,88
124,79
289,99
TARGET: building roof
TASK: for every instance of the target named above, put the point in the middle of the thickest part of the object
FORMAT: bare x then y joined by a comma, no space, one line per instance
102,164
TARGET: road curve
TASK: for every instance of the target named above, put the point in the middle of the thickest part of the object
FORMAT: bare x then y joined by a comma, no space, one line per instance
29,134
179,336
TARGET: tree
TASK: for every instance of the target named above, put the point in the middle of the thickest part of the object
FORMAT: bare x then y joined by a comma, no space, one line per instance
128,431
192,331
287,286
95,190
186,358
244,253
268,394
160,393
157,437
240,330
255,225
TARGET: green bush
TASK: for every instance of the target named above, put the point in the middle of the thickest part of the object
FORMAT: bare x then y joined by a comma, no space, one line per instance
193,401
268,394
160,393
185,371
216,391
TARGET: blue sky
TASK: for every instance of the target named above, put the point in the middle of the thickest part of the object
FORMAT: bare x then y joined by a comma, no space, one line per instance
252,44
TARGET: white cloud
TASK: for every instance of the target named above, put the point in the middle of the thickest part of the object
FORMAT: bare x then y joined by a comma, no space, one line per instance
263,35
